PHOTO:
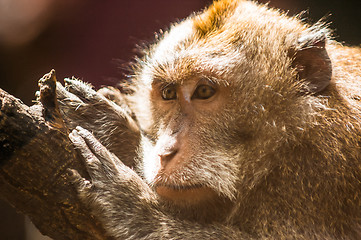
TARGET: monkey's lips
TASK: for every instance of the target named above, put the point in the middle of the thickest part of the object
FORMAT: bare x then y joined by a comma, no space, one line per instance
184,194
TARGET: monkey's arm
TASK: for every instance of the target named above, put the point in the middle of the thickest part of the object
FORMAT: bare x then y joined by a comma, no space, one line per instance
125,204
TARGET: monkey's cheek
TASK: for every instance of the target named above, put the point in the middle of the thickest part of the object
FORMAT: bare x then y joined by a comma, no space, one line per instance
190,196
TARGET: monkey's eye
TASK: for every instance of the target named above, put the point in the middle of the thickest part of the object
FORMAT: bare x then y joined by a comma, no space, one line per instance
204,92
169,92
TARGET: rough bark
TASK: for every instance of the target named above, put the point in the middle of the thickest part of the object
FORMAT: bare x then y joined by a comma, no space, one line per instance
35,153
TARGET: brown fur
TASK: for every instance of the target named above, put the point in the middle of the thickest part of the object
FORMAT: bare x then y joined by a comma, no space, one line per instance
212,19
274,154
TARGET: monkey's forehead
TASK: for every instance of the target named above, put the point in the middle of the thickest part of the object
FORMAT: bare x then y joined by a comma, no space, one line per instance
224,27
240,17
240,34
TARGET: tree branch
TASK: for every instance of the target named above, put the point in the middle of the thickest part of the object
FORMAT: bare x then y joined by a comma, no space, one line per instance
35,153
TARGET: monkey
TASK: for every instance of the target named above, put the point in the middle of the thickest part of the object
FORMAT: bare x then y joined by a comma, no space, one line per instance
250,129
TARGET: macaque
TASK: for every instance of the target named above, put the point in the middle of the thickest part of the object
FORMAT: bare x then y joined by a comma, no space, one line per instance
250,129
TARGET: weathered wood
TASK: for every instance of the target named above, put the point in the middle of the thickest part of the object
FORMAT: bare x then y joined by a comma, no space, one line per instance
35,153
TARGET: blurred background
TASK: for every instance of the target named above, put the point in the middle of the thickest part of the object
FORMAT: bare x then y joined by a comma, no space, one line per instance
93,40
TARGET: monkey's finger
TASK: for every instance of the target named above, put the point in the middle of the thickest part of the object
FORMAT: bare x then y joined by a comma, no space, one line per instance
93,165
100,162
81,184
62,94
109,160
82,90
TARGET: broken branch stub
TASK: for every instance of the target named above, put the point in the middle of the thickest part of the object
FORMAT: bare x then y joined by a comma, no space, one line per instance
35,153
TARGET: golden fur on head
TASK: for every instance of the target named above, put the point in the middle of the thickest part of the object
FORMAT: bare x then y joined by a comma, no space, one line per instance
213,17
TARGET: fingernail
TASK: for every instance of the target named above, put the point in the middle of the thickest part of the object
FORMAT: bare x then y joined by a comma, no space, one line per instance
70,172
79,128
75,132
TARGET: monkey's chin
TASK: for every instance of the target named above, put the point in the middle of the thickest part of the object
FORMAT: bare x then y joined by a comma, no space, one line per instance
184,196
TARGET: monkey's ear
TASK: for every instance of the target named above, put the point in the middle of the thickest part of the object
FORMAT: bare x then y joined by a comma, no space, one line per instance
311,61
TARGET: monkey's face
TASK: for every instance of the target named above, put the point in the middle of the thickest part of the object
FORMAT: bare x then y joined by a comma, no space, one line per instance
190,103
187,161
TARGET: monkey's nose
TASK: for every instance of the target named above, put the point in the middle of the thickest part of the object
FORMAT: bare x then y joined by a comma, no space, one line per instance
167,156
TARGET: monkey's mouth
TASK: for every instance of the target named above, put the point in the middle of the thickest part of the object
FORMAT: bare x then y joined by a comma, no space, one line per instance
180,187
184,194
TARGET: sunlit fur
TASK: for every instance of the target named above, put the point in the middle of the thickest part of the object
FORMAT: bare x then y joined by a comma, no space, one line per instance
288,160
244,46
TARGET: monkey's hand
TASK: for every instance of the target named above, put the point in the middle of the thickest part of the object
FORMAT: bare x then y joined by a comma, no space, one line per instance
110,123
115,193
